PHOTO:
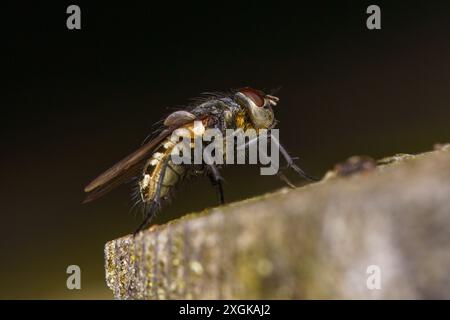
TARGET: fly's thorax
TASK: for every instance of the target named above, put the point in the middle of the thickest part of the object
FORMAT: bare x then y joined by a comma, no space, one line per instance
242,120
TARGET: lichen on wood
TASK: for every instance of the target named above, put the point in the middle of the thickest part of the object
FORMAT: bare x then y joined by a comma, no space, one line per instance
314,242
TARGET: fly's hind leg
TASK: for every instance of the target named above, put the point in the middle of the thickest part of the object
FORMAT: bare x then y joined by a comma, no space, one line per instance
155,204
216,181
150,212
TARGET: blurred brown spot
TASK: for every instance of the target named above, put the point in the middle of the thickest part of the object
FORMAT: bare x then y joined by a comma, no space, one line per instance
355,164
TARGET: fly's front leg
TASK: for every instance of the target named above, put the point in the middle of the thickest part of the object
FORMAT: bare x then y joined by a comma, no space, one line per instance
155,202
216,181
286,156
290,160
280,174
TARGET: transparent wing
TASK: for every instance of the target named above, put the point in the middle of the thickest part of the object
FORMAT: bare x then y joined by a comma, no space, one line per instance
132,164
124,169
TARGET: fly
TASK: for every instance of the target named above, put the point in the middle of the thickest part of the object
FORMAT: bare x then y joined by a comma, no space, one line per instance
245,108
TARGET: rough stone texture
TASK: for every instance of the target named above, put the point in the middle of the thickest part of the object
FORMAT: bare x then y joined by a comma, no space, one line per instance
308,243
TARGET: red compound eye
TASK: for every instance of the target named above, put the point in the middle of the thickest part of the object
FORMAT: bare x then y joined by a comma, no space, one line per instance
255,95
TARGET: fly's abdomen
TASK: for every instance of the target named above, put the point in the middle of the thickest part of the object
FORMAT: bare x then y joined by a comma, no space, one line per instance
152,184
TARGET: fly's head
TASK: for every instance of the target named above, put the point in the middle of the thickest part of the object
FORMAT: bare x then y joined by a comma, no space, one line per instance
258,106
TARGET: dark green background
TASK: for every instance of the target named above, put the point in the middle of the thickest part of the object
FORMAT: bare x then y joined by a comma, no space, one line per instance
74,102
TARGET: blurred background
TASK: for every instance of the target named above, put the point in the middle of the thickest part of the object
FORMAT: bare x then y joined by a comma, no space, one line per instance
75,102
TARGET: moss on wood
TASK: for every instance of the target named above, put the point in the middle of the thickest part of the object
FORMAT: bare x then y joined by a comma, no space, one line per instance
312,242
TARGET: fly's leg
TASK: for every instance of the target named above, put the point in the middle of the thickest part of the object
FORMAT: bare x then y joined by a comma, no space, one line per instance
214,176
216,181
280,174
290,160
156,201
285,179
149,214
286,156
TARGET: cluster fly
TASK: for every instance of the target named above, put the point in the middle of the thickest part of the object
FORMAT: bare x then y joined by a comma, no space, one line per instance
245,108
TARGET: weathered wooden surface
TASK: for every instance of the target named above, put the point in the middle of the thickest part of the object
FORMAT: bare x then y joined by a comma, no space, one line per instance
312,242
